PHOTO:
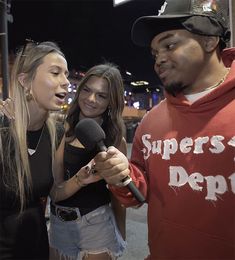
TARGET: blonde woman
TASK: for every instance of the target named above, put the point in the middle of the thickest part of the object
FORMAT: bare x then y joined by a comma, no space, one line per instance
27,145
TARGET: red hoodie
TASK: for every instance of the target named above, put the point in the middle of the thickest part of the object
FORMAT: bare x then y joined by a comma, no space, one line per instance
183,158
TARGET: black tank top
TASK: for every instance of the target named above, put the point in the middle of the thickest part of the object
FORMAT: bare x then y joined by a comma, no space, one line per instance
93,195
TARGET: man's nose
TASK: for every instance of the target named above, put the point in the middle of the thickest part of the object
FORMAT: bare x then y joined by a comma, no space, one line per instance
160,58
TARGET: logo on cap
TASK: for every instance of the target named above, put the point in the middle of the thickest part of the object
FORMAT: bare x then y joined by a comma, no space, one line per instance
162,10
207,7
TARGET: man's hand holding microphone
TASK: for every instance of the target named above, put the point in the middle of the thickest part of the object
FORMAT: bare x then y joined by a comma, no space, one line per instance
112,165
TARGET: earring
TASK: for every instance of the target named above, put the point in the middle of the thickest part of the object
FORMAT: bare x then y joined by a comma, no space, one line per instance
109,111
28,95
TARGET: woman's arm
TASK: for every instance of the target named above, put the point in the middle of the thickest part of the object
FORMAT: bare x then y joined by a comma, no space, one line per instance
62,189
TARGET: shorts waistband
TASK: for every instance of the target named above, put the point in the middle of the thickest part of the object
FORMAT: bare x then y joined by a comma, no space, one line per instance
69,214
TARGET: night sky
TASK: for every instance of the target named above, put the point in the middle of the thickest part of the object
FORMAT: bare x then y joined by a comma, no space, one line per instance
88,31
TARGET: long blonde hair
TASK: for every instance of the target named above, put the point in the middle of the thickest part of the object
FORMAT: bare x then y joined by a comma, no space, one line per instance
16,170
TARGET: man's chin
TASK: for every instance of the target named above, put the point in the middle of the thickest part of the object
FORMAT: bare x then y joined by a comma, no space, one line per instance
174,89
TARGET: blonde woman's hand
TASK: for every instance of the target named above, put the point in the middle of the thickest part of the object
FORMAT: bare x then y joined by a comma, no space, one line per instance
7,108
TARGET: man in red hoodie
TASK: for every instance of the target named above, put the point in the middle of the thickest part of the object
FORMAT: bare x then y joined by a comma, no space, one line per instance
183,153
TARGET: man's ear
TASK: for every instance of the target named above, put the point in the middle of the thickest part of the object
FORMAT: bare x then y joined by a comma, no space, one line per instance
210,43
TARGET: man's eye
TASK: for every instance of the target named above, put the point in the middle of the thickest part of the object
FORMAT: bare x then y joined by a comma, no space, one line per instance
154,56
170,46
55,73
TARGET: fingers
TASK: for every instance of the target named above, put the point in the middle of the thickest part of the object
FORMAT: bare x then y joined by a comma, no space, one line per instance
116,178
102,156
91,167
85,175
84,172
7,108
112,165
112,151
105,161
112,168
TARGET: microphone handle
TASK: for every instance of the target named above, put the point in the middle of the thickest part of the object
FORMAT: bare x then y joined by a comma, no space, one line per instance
127,181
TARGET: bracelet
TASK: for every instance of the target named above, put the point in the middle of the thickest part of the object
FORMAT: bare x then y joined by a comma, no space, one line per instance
78,181
124,182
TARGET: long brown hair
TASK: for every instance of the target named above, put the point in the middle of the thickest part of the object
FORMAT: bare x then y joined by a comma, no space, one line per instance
112,117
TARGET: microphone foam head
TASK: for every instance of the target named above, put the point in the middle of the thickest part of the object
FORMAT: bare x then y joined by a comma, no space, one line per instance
89,133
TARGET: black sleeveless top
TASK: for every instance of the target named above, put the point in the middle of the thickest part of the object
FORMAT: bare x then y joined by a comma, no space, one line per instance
41,173
93,195
24,236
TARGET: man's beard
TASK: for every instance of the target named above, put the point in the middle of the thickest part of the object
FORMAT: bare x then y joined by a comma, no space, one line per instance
175,88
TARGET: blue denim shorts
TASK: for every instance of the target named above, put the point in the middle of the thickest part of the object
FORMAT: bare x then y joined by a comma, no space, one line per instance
93,233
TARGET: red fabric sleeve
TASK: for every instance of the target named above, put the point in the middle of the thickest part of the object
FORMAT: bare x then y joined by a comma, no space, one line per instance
124,195
228,56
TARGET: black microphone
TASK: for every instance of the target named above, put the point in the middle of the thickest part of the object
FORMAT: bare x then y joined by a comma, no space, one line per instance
92,136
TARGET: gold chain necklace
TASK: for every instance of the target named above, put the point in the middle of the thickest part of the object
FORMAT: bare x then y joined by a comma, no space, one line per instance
220,81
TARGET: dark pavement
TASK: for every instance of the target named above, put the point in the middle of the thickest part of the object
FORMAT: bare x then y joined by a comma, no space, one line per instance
136,234
136,231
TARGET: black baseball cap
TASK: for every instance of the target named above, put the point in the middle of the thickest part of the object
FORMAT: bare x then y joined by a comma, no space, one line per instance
203,17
